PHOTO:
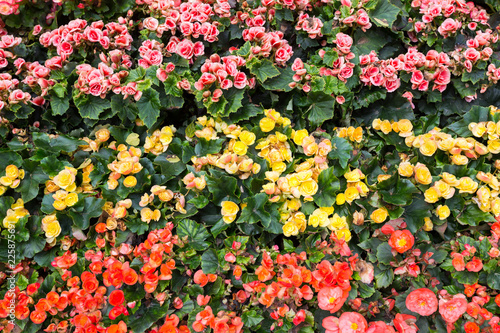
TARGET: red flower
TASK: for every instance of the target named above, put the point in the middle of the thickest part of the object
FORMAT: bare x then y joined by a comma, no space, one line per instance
471,327
116,297
401,240
299,317
331,324
422,301
405,323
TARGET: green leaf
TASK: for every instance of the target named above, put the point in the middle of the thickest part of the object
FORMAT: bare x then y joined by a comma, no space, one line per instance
146,316
170,168
384,254
222,187
400,194
341,150
149,107
61,143
251,318
123,108
196,234
465,277
415,214
474,76
493,279
473,216
476,114
9,157
262,69
384,14
32,246
205,147
209,262
255,210
33,177
464,89
91,106
384,279
328,185
92,208
280,82
329,57
321,108
59,105
234,101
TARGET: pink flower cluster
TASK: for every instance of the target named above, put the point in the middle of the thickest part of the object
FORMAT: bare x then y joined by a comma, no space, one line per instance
9,7
432,9
224,73
311,25
380,73
37,76
98,81
151,53
360,18
77,32
191,18
342,67
6,42
185,48
290,4
268,43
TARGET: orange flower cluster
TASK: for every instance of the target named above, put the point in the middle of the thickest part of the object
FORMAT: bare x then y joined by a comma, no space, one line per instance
293,283
156,253
224,322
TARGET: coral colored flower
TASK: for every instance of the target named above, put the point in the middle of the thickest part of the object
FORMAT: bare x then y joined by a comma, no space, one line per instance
401,240
200,278
330,324
453,309
331,299
299,317
352,322
116,297
475,265
422,301
458,261
405,323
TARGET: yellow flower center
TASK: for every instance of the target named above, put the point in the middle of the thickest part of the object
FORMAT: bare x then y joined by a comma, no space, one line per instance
402,242
354,326
331,300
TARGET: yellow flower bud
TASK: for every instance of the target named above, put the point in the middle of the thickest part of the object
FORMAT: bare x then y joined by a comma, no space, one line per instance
12,171
267,124
405,169
379,215
431,195
130,181
442,211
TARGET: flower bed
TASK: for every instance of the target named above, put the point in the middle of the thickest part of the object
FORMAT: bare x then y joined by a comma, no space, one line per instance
249,166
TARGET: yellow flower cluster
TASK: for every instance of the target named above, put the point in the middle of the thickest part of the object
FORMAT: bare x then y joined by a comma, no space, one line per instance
295,223
147,214
14,213
116,212
11,179
159,141
126,164
210,128
301,183
276,150
64,199
86,186
191,181
352,133
311,148
489,130
230,162
340,226
52,228
229,211
101,136
429,143
161,192
403,127
64,188
355,187
65,180
272,118
487,197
